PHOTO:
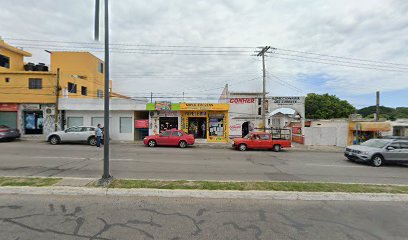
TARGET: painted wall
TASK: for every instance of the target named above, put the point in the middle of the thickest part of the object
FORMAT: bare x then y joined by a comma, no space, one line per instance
80,68
327,133
115,133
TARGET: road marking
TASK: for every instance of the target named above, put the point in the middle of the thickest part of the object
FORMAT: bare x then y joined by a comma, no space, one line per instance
332,165
83,158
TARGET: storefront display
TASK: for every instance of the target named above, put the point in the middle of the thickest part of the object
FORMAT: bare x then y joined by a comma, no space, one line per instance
362,131
205,120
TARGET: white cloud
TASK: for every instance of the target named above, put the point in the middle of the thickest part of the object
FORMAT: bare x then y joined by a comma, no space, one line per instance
376,30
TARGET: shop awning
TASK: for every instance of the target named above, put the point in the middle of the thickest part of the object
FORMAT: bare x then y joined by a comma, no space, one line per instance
370,126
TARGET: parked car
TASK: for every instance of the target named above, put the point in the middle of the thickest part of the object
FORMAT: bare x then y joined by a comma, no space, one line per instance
74,134
8,133
260,140
378,151
170,138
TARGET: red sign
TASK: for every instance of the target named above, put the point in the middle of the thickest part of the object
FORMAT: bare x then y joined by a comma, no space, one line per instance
141,123
242,100
8,107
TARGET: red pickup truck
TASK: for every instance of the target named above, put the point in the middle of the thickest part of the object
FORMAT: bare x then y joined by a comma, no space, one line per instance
260,140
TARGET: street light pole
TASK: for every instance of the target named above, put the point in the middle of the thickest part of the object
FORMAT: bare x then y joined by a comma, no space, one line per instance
106,174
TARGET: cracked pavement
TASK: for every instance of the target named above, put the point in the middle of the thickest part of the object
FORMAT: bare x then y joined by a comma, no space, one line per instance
106,218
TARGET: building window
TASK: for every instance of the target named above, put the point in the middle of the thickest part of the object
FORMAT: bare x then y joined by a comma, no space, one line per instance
72,88
97,120
259,101
84,91
7,79
125,125
75,121
4,61
35,83
100,67
99,93
259,111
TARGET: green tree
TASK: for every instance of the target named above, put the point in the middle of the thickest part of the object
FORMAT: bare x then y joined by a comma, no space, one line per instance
327,106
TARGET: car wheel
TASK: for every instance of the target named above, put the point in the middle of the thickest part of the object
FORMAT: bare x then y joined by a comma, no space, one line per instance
182,144
377,160
277,148
54,140
152,143
243,147
92,141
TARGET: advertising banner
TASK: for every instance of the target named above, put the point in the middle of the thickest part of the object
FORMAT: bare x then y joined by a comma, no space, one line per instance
142,123
204,106
8,107
163,106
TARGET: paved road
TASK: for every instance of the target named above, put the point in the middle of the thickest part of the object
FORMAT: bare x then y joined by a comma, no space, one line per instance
26,217
28,158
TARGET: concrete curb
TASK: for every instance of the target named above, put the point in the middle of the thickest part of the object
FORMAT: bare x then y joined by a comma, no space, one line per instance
212,194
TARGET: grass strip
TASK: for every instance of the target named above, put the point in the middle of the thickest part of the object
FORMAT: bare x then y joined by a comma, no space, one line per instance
260,186
26,181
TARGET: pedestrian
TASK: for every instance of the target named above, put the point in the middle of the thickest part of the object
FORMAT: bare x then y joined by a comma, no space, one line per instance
98,134
203,129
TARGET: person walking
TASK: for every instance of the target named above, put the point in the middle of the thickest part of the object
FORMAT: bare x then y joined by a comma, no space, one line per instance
98,134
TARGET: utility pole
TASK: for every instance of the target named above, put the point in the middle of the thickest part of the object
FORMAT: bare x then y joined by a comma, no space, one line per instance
262,53
57,89
183,96
151,97
377,106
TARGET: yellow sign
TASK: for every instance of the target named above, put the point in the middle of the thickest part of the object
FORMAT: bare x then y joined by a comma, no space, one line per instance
204,106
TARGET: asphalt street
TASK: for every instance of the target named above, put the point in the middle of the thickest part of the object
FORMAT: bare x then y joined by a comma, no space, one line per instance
26,217
30,158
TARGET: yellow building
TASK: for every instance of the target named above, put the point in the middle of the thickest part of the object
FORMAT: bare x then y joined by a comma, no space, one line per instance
207,121
28,91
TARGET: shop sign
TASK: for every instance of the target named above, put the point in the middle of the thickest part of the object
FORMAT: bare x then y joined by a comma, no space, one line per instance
141,123
204,106
31,106
8,107
242,100
286,100
163,106
196,114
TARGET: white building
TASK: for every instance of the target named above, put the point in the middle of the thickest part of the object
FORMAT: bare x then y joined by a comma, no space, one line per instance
89,112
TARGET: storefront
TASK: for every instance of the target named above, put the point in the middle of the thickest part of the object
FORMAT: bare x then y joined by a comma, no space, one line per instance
207,121
163,116
9,114
36,119
360,131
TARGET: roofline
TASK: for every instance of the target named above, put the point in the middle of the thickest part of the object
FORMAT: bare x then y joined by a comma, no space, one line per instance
77,52
4,45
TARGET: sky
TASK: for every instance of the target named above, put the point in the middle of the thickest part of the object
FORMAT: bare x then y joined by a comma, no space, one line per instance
347,48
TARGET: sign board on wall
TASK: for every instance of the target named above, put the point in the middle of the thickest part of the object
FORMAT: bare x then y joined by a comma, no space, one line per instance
204,106
296,103
163,106
142,123
8,107
242,100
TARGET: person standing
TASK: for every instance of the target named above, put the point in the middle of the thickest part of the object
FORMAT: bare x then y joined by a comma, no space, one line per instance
98,134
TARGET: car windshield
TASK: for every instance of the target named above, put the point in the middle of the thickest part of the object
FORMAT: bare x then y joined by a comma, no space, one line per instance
377,143
248,136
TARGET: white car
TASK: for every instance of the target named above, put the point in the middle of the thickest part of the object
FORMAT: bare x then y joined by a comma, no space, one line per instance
73,134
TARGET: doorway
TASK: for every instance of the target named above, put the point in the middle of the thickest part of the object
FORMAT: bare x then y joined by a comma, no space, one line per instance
33,122
245,129
198,127
167,123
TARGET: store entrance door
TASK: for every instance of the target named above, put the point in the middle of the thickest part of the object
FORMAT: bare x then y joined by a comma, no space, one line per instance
245,129
167,123
33,122
198,127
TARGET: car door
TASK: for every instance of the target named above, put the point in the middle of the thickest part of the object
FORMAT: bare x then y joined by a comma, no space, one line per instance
403,151
255,141
163,138
174,138
392,151
71,134
84,134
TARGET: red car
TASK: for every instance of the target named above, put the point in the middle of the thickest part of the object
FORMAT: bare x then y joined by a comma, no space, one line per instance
260,140
170,138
